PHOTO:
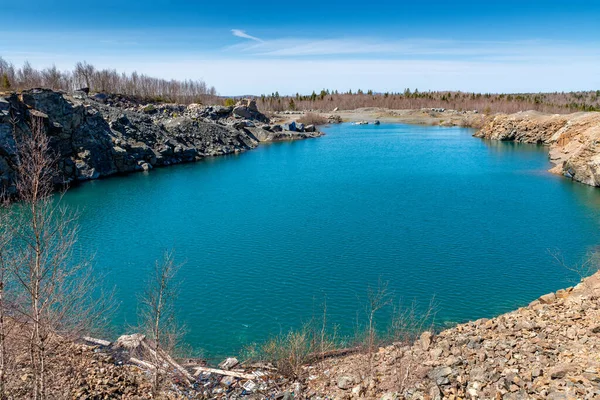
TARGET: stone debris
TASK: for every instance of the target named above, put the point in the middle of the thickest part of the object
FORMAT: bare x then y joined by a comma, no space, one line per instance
334,119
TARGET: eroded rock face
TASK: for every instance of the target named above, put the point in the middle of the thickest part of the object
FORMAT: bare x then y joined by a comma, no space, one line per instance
95,137
573,140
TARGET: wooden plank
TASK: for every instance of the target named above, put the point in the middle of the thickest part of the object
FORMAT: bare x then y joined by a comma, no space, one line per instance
240,375
141,363
164,356
99,342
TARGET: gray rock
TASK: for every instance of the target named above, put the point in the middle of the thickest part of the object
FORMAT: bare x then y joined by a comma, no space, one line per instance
560,371
345,382
242,111
440,375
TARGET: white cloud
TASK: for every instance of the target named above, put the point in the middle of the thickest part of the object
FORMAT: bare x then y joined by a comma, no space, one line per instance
243,34
414,48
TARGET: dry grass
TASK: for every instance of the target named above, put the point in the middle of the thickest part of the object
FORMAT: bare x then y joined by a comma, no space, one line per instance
315,342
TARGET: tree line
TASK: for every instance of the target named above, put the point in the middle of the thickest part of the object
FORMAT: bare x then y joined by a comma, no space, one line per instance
85,75
327,100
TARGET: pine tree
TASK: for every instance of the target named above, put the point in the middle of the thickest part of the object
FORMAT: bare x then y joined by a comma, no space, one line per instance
5,82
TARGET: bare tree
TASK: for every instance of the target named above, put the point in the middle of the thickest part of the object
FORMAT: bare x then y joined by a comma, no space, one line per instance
143,87
57,292
157,316
84,74
5,240
377,298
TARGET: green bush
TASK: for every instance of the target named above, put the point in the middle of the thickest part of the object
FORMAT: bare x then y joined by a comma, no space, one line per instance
4,82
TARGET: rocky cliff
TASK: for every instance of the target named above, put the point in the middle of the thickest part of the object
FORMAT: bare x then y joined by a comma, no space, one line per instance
102,135
572,139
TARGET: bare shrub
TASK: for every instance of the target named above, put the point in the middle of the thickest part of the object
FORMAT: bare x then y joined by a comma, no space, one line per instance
312,119
290,351
158,317
315,341
407,322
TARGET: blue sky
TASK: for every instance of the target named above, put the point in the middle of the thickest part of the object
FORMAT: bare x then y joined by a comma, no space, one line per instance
246,47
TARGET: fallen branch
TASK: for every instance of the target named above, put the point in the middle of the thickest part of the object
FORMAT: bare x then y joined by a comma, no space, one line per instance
331,353
240,375
141,363
99,342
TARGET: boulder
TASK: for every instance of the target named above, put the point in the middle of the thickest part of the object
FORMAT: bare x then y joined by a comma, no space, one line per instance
426,340
242,111
247,109
101,97
290,127
547,298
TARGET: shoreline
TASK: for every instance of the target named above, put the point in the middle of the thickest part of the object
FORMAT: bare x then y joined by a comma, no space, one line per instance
470,119
571,139
546,349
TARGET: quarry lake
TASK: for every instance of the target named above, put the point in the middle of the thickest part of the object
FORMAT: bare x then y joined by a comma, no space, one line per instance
268,236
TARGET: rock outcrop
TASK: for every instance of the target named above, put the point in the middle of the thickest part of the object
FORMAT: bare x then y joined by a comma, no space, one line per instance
99,136
573,140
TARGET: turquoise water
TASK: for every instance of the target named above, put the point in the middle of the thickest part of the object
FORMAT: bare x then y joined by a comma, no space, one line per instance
267,235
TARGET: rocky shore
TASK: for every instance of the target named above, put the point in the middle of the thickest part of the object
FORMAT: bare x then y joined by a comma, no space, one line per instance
572,139
425,116
546,350
102,135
